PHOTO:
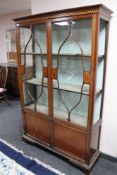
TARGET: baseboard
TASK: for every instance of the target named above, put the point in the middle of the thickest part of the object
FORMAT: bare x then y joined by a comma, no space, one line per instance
108,157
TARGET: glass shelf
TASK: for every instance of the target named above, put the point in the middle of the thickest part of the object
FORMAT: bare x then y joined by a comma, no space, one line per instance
30,53
63,86
62,54
37,81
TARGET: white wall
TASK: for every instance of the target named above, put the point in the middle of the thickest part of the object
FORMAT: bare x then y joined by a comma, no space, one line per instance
6,23
108,142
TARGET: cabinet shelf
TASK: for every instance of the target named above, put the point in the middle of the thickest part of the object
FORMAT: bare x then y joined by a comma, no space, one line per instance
63,86
30,53
61,54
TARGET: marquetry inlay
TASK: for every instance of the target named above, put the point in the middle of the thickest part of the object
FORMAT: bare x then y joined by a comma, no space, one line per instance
75,13
54,73
87,77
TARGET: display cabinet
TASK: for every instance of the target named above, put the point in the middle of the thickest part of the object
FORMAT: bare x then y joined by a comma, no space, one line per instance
62,97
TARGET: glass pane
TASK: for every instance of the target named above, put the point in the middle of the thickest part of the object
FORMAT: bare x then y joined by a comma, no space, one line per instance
78,116
100,70
11,46
71,53
33,58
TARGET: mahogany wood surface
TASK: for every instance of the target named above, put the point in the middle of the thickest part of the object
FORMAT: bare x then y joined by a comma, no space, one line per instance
77,143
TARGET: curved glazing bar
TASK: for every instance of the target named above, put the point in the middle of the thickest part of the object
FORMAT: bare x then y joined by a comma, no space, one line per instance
42,81
82,61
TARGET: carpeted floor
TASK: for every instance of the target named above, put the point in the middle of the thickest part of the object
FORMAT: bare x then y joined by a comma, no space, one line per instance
14,162
11,131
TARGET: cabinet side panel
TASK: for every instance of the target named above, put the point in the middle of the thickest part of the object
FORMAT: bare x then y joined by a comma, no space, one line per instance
70,141
37,127
95,139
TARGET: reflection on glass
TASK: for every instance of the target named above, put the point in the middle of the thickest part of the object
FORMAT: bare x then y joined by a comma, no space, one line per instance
33,57
71,51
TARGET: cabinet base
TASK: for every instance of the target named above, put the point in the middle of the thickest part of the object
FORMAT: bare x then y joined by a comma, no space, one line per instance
86,168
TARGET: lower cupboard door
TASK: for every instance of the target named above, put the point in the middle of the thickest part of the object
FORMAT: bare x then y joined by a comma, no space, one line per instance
37,127
70,142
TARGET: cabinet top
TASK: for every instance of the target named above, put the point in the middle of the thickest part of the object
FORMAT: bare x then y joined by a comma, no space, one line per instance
79,11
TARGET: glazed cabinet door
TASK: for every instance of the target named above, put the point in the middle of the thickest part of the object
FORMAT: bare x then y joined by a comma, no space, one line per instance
71,56
71,53
33,55
33,68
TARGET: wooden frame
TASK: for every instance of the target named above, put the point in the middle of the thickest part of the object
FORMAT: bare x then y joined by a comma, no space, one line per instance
82,143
